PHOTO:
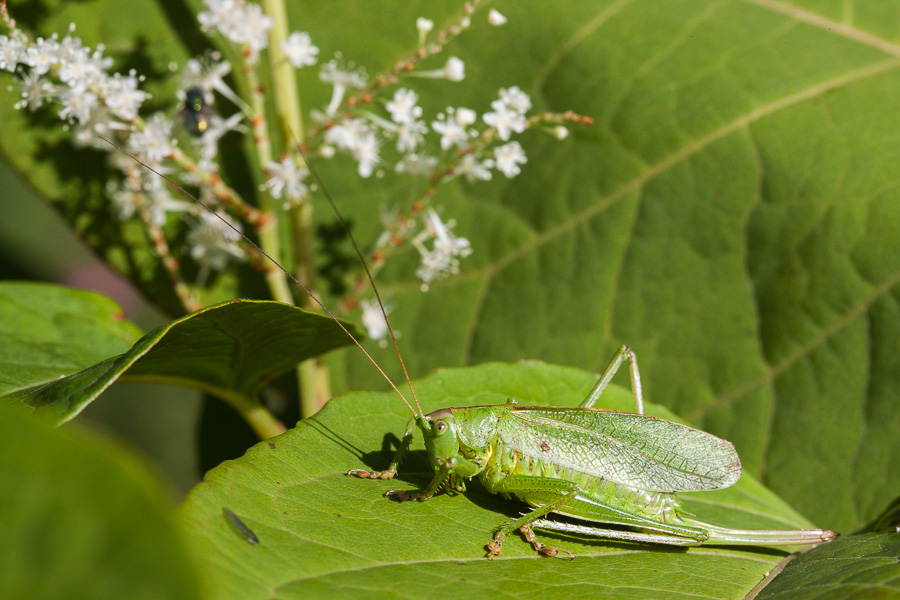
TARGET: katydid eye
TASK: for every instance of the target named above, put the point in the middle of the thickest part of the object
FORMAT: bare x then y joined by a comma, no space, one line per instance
440,427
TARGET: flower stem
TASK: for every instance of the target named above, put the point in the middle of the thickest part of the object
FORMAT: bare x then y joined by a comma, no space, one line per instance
268,234
312,376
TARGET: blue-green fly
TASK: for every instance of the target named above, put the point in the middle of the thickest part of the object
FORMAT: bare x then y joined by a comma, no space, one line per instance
196,112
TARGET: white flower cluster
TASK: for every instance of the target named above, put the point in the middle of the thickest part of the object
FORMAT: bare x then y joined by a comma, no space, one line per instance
65,72
364,136
452,143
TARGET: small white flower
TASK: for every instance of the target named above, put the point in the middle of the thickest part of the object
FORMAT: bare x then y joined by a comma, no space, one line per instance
78,104
240,22
35,90
154,142
443,258
495,18
416,164
452,127
12,52
374,322
424,26
348,134
124,98
455,69
505,121
342,80
162,202
299,50
213,243
465,116
444,240
42,55
515,99
509,157
411,135
253,29
102,123
474,169
126,200
403,106
560,132
286,179
77,67
220,14
366,154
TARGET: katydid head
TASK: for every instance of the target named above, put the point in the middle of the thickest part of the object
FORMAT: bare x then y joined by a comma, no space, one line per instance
441,434
448,440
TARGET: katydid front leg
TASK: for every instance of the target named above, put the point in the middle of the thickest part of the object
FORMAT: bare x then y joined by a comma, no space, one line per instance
395,462
443,472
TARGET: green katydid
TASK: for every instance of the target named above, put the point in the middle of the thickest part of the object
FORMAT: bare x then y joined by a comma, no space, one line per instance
601,467
598,466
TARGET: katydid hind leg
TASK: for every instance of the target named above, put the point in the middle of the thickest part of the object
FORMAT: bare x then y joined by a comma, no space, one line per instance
621,534
763,537
624,353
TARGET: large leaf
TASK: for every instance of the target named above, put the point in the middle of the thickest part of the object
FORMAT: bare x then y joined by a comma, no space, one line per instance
731,215
82,518
322,534
858,566
49,331
231,350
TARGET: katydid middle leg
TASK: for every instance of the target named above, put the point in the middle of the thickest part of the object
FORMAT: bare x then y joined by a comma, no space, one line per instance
565,492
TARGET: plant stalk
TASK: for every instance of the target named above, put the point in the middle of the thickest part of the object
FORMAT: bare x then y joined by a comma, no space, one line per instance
312,376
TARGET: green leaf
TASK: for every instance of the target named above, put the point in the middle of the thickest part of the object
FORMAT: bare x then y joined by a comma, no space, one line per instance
731,215
50,330
856,566
231,351
887,522
324,534
83,518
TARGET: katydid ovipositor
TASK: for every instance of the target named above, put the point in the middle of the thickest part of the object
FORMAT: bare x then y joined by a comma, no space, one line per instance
597,466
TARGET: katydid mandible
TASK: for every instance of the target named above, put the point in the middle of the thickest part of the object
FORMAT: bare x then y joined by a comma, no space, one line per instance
600,467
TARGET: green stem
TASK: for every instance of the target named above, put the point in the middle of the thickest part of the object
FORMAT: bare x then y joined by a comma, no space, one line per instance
268,234
263,422
312,377
258,417
284,81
